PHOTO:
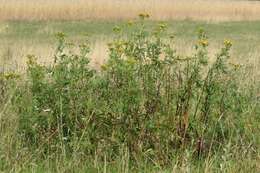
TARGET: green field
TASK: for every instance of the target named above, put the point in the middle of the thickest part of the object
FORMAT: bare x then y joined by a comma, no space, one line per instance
46,114
43,32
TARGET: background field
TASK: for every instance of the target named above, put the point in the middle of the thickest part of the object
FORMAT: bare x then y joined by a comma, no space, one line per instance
29,26
210,10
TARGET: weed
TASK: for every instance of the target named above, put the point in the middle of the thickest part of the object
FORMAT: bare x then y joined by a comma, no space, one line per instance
147,103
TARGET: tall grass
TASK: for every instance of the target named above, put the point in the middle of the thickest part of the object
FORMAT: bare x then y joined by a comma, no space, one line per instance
147,109
214,10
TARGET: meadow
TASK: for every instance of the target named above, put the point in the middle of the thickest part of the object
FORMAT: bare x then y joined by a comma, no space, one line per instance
210,10
154,86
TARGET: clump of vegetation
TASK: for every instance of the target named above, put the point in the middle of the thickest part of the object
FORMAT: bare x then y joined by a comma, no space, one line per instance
147,104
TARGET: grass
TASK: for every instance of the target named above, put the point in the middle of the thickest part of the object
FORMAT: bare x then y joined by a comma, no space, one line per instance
209,10
46,30
133,113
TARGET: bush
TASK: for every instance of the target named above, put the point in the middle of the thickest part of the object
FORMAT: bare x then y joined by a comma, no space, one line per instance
146,100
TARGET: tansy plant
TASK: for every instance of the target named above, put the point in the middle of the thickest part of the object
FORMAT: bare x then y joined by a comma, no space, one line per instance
147,99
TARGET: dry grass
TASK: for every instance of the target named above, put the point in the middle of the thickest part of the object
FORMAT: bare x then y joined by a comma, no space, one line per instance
210,10
13,56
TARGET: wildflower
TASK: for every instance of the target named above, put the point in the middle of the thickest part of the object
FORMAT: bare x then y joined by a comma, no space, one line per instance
227,43
104,67
8,76
144,15
162,26
31,59
84,47
203,42
60,35
116,29
120,49
236,66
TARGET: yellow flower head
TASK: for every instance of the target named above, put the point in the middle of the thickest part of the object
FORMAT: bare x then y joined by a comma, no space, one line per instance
60,35
203,42
104,67
117,29
31,59
9,76
144,15
227,43
162,26
236,66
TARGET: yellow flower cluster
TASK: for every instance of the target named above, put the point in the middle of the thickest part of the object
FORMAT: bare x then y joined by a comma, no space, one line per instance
227,43
31,59
144,15
104,67
8,76
118,46
60,35
162,26
203,42
116,29
236,66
